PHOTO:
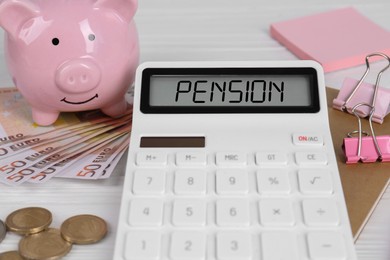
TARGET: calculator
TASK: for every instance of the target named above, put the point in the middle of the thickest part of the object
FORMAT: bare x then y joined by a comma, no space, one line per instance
232,161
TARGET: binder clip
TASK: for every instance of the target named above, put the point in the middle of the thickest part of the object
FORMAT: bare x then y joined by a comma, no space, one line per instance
354,92
366,148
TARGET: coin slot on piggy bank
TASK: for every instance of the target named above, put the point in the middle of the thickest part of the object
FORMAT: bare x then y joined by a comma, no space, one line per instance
71,55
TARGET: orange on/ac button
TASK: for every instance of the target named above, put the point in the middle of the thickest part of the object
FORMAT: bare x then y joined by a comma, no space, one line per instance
308,139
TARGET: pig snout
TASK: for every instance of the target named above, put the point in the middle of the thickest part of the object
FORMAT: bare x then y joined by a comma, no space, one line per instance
78,75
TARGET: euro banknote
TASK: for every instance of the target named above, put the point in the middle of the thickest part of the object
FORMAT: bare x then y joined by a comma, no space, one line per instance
76,143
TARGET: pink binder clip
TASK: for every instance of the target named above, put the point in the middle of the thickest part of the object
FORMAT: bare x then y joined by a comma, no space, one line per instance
349,96
368,148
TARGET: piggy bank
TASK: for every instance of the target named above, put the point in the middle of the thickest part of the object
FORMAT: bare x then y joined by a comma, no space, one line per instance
71,55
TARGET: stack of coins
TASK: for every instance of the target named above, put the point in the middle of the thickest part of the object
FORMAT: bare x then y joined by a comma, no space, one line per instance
43,243
3,230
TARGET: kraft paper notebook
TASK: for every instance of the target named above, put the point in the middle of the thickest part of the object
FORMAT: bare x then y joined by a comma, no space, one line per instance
362,183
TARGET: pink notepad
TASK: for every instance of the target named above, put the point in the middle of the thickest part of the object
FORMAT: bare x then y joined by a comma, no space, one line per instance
336,39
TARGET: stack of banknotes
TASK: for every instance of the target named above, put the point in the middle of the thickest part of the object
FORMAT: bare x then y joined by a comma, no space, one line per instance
82,145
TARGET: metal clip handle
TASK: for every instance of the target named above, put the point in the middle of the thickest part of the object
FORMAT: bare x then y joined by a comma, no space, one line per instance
361,132
378,78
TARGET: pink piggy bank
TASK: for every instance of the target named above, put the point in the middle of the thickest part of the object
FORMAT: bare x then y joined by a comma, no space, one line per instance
71,55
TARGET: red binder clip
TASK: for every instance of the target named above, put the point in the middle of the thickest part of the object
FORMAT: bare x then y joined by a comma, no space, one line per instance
366,148
355,92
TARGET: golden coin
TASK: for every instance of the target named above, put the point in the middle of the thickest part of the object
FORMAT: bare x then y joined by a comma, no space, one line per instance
3,231
29,220
84,229
11,255
46,245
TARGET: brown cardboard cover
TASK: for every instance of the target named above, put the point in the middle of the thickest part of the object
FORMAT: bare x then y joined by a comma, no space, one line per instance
362,182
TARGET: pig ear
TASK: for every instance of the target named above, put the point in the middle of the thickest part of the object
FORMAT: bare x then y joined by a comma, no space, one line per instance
14,13
125,8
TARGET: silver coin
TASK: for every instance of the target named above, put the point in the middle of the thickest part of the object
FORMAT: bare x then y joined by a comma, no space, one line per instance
3,230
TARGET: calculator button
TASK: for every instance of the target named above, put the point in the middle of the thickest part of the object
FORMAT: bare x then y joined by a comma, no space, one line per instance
273,181
311,158
191,159
231,159
315,181
279,245
190,182
233,245
145,245
232,182
271,158
149,182
308,139
151,159
326,245
320,212
233,212
146,212
190,212
188,245
276,212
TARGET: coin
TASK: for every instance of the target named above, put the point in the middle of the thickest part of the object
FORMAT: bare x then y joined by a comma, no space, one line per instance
3,230
11,255
84,229
27,221
46,245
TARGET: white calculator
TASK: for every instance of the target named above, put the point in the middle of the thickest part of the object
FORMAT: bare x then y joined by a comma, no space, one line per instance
232,161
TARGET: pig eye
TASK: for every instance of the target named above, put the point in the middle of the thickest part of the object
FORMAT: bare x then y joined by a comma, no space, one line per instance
55,41
91,37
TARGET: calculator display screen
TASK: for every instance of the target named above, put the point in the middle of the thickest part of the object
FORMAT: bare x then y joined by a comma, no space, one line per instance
230,90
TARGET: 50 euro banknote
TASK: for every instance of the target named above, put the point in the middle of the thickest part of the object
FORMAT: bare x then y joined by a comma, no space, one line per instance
16,120
97,163
30,142
18,170
79,161
28,150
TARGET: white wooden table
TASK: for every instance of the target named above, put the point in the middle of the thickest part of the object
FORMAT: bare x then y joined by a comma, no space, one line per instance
195,30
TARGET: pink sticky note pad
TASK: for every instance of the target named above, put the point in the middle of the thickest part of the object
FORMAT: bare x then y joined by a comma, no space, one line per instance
336,39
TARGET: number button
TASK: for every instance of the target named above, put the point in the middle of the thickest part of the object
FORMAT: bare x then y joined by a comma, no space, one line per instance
234,245
231,212
149,182
232,182
189,245
190,182
143,245
146,212
189,212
